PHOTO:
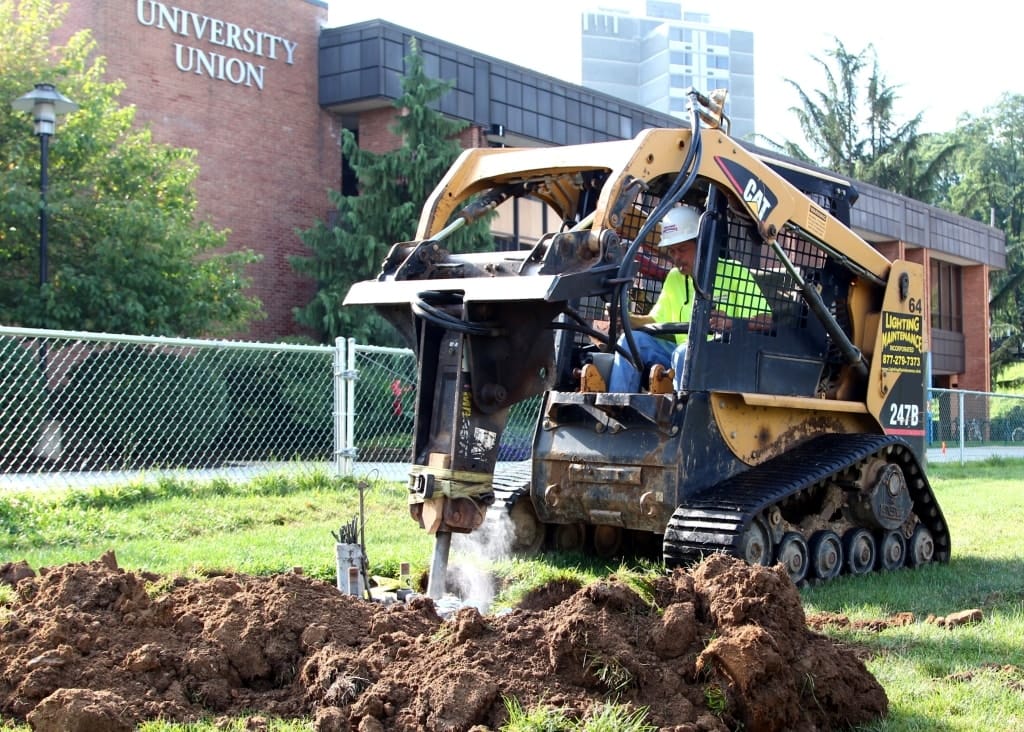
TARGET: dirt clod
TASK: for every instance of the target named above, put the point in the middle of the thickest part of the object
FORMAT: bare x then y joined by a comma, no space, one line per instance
725,645
819,621
962,617
11,573
83,710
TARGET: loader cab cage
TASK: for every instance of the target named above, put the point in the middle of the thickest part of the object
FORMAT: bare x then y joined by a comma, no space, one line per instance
794,356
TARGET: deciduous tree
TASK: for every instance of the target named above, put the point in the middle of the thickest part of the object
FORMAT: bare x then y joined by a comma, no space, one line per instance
126,251
986,182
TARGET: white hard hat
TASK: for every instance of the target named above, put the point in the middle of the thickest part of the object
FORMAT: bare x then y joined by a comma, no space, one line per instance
679,225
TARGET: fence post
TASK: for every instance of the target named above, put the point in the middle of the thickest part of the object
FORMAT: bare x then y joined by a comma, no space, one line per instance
928,434
342,464
927,420
350,396
963,425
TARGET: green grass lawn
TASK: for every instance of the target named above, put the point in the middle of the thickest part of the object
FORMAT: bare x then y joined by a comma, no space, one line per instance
965,678
269,525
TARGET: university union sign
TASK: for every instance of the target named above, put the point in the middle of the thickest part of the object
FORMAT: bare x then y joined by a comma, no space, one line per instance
245,50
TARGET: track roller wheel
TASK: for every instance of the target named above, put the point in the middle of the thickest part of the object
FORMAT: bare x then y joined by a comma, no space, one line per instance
569,537
793,555
528,531
826,553
755,545
892,551
860,550
607,541
921,547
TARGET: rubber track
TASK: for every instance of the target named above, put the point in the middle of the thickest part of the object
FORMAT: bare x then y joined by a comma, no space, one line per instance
511,482
715,519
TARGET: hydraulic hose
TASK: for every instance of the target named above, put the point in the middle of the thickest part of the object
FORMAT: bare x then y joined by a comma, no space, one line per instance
627,269
440,318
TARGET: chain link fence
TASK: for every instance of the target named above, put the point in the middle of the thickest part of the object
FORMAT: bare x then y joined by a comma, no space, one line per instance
975,420
81,409
84,408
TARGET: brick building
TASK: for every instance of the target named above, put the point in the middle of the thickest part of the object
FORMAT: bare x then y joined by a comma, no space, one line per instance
235,80
260,89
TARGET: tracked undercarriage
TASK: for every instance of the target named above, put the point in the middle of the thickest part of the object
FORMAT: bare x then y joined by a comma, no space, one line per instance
839,504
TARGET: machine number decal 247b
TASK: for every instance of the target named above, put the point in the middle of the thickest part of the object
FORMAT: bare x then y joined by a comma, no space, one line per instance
905,415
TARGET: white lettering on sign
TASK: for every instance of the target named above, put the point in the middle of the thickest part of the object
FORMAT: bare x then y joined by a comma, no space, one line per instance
220,66
906,415
756,199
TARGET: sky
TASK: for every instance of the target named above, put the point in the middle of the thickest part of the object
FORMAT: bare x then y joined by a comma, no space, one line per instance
944,63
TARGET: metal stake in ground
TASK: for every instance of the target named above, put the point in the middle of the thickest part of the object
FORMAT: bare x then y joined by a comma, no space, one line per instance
439,565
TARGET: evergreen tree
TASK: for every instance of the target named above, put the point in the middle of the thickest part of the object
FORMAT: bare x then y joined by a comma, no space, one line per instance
393,187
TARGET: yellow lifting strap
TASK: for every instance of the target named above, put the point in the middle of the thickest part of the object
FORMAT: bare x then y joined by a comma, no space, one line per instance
446,482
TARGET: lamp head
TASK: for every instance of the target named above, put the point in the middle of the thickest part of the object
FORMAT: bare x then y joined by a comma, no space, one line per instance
44,103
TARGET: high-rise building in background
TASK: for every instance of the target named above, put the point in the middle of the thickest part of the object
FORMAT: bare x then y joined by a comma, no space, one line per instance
654,53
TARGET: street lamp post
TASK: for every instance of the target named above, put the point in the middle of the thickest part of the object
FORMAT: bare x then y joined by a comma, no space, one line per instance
44,103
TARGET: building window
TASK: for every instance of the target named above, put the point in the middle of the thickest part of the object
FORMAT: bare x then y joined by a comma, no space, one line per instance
947,296
664,10
349,181
680,58
677,104
716,61
625,127
684,35
680,81
718,38
598,23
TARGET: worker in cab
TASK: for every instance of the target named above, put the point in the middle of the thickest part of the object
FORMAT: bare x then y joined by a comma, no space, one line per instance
736,293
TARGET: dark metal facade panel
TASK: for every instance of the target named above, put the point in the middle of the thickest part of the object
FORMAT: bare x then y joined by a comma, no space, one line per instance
481,80
892,216
361,65
948,354
486,90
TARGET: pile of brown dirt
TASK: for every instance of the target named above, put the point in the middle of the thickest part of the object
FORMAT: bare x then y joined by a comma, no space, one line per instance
85,647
